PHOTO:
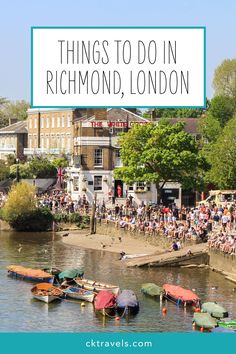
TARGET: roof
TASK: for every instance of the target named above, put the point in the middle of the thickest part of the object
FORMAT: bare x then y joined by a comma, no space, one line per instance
16,128
117,114
191,124
42,184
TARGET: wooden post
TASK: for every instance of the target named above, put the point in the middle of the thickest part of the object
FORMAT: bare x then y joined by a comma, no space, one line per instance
93,219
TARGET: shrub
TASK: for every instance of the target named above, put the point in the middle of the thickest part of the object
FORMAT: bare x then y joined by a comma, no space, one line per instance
21,200
39,219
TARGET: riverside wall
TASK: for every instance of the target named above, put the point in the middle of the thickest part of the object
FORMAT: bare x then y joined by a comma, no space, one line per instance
221,262
156,239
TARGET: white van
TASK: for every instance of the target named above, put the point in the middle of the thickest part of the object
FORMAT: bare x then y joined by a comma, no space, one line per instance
220,197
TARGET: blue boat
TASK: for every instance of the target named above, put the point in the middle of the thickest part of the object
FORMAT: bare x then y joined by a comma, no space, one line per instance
127,303
29,274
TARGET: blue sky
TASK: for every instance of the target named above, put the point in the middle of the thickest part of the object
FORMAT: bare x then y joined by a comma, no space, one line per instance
17,17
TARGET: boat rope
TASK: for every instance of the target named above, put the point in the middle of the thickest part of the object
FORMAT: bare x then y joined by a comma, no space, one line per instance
107,314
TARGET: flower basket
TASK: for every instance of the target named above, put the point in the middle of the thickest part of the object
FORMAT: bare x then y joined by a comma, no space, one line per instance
104,179
84,189
140,191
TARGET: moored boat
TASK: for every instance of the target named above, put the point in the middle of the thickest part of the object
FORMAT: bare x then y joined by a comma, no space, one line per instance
79,294
105,303
227,324
180,295
71,274
97,286
127,303
204,320
46,292
214,309
152,289
34,275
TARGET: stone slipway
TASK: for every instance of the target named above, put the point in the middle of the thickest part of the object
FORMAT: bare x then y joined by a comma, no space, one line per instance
199,255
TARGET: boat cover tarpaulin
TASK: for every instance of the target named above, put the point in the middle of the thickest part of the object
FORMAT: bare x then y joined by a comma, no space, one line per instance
29,272
180,293
71,273
222,330
151,289
214,309
204,320
104,299
127,298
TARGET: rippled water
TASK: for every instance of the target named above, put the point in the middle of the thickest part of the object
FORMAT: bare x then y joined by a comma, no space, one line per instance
19,312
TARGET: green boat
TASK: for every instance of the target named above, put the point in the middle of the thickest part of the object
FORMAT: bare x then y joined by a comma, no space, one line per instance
227,324
214,309
152,289
204,320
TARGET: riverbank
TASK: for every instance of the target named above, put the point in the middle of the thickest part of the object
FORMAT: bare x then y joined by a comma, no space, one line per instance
110,243
138,247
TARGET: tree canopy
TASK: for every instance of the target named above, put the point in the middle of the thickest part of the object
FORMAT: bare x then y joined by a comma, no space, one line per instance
159,153
10,109
222,108
221,156
224,81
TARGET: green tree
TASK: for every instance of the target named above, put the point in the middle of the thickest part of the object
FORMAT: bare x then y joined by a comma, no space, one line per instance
4,170
60,162
210,128
3,118
224,81
21,200
42,168
221,156
159,153
222,108
17,109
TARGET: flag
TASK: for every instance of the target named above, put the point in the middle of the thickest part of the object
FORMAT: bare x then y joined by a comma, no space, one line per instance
60,176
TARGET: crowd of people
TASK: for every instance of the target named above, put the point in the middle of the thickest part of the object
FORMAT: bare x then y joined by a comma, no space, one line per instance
61,202
217,225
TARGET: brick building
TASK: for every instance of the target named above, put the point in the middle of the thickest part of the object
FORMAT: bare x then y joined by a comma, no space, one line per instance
51,131
13,140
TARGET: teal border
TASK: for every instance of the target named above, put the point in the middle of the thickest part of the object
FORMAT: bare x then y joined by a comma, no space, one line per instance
117,27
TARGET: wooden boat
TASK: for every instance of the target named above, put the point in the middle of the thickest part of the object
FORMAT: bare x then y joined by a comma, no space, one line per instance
46,292
79,294
127,303
34,275
152,289
204,320
180,295
96,286
105,303
214,309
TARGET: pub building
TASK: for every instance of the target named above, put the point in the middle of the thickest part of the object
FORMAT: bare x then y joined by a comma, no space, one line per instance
89,139
97,153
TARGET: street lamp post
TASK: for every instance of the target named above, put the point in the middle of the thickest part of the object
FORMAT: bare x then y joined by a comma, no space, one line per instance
17,171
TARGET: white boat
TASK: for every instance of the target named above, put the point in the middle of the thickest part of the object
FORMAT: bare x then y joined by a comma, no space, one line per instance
79,294
46,292
97,286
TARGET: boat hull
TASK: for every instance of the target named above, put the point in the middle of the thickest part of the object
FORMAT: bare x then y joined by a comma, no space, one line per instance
180,295
97,287
31,279
46,298
128,310
79,296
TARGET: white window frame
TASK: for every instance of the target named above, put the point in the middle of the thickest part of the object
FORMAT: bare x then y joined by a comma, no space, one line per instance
98,157
58,121
42,122
68,121
53,122
35,123
63,122
48,123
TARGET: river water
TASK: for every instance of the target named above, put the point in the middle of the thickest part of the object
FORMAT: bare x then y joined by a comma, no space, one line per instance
19,312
